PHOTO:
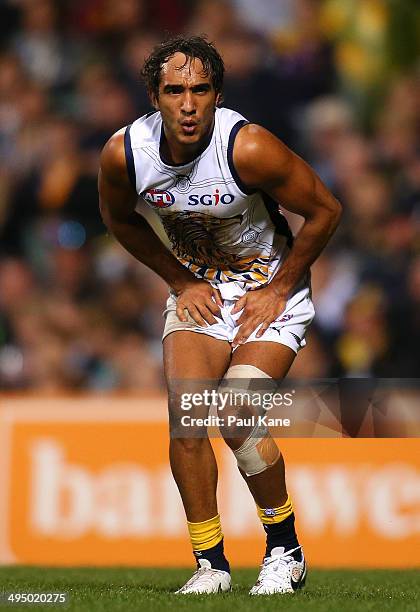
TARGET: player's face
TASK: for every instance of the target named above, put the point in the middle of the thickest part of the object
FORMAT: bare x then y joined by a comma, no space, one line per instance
187,100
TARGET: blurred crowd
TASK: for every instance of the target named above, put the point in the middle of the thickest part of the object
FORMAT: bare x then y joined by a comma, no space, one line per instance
335,79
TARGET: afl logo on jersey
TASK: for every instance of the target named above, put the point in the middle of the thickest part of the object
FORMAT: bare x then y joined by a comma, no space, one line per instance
158,198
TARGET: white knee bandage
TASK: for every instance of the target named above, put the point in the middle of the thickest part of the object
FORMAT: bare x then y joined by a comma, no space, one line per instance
259,451
257,454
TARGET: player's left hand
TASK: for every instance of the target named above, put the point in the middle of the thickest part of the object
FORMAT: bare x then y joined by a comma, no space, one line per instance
260,308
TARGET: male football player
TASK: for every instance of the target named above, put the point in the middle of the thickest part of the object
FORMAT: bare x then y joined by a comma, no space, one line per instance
239,301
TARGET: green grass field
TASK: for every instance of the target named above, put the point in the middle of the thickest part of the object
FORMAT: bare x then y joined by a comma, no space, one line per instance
128,589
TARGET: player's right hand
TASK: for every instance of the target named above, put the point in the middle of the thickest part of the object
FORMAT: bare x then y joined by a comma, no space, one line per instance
201,301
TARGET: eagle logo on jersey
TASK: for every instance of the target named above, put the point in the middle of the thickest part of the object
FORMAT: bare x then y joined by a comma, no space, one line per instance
202,238
203,243
158,198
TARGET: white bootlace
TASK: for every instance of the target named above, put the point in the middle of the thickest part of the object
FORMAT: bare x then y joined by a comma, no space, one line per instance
271,565
200,576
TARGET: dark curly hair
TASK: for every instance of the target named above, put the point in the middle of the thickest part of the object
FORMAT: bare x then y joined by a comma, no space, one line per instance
193,47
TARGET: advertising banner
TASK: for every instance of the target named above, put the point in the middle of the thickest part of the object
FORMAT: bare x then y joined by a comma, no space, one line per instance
86,481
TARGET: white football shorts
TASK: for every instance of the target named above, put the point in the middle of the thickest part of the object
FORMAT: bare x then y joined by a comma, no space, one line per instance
289,328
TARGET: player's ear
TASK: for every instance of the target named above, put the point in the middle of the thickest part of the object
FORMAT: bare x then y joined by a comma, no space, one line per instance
154,100
219,99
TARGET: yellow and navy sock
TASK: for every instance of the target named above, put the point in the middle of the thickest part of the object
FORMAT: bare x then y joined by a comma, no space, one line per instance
279,525
207,542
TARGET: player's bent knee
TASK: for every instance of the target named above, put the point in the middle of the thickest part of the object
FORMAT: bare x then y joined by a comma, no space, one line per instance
186,424
259,451
257,454
189,445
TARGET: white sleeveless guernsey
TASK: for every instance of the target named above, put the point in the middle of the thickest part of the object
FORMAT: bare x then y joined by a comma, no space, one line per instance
217,228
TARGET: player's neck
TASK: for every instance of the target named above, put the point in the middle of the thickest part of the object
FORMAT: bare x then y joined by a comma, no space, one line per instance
175,153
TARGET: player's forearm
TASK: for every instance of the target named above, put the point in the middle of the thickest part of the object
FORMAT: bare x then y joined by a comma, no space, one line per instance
139,239
308,245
